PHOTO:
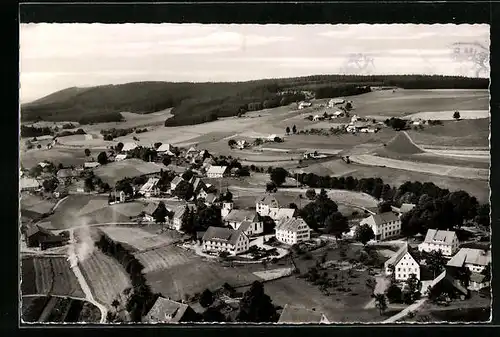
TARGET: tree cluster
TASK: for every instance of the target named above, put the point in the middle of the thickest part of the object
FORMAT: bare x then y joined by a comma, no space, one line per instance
32,131
199,219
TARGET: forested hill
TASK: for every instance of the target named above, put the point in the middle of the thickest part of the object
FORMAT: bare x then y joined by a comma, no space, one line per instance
195,103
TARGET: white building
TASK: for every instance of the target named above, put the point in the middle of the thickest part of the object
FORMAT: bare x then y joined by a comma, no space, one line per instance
384,225
335,101
120,157
317,118
236,216
444,241
129,147
478,281
150,188
177,218
216,171
217,239
29,184
270,138
241,144
292,231
303,105
176,181
281,213
474,259
403,264
149,211
90,164
226,208
263,204
165,149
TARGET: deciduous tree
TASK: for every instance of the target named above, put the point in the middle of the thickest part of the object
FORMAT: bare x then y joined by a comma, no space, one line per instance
256,306
102,158
363,234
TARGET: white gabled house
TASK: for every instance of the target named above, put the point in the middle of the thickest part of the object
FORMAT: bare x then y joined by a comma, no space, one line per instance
120,157
403,264
335,101
292,231
150,188
474,259
236,217
281,213
149,211
444,241
216,171
384,225
176,181
129,147
218,239
263,204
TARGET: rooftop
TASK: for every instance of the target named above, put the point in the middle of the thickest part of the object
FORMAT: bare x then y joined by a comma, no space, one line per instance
268,199
398,255
280,213
238,215
383,218
216,169
290,225
470,256
167,311
149,185
440,236
220,234
129,146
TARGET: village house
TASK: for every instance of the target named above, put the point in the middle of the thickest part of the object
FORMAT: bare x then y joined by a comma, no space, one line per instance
281,213
116,197
263,204
405,208
292,231
197,184
317,118
384,225
208,162
177,218
478,281
402,264
165,149
29,184
271,137
217,239
120,157
474,259
335,101
236,216
298,315
176,181
303,105
226,208
241,144
150,188
167,311
39,237
216,171
90,164
149,211
210,199
129,146
191,152
444,241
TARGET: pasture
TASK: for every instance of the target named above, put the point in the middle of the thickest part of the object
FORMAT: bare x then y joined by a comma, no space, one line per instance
163,258
106,278
49,276
136,238
57,155
36,204
435,169
129,168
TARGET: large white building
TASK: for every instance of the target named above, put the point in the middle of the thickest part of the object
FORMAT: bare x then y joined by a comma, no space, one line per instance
217,239
292,231
150,188
403,264
384,225
444,241
216,171
264,203
237,217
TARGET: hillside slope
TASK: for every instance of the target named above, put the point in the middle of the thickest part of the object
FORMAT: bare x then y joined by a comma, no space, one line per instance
195,103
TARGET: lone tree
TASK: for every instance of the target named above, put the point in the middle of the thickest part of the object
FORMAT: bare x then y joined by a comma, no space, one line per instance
393,293
381,303
206,298
412,289
102,158
348,106
278,176
256,306
336,224
287,130
294,129
184,190
119,146
435,262
363,234
271,187
187,225
87,152
311,194
161,212
456,115
231,143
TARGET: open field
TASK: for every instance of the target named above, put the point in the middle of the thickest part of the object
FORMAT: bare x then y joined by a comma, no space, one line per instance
448,115
65,156
136,238
462,133
36,204
49,276
105,276
78,210
61,310
410,101
188,274
445,170
163,258
129,168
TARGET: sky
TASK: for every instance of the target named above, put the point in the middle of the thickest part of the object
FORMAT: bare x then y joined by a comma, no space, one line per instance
57,56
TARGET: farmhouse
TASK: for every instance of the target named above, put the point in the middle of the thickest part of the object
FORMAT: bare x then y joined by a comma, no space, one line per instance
149,211
198,185
150,188
384,225
299,315
444,241
120,157
176,181
303,105
474,259
292,231
167,311
129,147
208,162
177,218
241,144
402,264
29,184
90,164
335,101
478,281
116,197
251,228
34,235
281,213
191,152
263,204
165,149
237,216
216,171
317,118
217,239
270,138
